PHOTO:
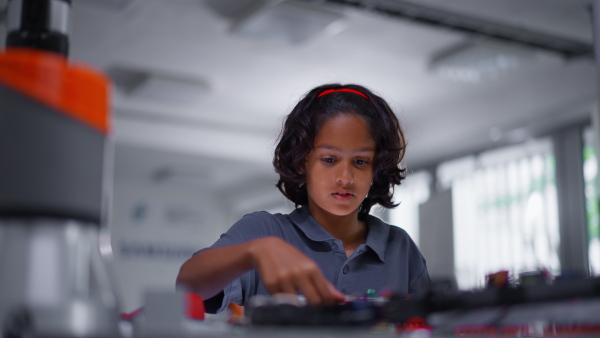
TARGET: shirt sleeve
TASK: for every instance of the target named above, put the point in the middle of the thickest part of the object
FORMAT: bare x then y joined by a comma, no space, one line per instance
421,281
419,275
232,293
251,226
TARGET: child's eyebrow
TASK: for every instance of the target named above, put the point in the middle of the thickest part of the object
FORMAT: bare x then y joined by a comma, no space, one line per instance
329,147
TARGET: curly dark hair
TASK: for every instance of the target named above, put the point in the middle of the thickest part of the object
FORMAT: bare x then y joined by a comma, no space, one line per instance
304,122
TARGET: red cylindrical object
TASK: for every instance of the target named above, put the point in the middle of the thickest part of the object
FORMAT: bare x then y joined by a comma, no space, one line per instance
194,306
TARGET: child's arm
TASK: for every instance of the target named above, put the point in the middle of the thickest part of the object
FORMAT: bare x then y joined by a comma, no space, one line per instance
282,268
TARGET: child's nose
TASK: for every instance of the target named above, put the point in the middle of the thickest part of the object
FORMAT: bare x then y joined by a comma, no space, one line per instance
345,175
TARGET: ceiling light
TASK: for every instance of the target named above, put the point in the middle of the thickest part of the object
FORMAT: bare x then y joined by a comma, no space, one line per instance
150,86
495,134
189,180
114,5
477,62
235,9
286,21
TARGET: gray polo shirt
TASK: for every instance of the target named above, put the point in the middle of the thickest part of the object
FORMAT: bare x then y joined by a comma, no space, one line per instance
389,258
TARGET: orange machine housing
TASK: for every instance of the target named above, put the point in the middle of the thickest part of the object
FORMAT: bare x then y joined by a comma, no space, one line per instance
75,90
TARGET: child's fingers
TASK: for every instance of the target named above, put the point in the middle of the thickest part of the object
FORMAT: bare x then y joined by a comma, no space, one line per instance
310,291
337,296
287,286
275,286
326,291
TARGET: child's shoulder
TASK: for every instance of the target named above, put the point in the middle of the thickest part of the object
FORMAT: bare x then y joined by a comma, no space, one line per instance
395,232
262,223
263,219
264,215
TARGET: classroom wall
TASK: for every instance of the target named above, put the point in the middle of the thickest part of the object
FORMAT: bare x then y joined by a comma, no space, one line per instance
154,228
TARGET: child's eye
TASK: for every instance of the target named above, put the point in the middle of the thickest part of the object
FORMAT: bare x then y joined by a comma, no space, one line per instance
361,163
328,160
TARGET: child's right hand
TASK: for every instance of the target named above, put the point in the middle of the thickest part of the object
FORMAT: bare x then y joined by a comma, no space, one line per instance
284,269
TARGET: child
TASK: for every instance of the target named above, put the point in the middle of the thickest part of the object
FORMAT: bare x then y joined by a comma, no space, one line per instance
338,155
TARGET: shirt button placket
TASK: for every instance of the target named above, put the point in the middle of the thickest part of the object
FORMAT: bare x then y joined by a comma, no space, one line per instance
345,270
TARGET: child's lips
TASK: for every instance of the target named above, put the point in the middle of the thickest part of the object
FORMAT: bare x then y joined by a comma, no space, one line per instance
342,195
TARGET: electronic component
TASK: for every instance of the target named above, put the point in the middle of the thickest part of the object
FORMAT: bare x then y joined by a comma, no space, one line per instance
289,310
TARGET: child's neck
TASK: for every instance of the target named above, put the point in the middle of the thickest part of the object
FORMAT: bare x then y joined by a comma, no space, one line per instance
349,229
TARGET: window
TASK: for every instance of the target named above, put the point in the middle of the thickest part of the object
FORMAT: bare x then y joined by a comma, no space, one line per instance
413,191
590,176
505,212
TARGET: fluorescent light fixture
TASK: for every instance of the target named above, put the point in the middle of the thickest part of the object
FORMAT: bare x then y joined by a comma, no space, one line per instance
167,89
150,86
479,62
235,9
114,5
180,179
286,21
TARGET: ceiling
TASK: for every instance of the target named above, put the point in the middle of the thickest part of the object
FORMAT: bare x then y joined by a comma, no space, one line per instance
245,73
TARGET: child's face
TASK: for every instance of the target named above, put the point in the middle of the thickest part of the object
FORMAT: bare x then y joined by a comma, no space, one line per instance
339,169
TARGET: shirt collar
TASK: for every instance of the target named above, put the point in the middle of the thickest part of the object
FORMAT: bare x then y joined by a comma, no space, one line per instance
305,222
376,238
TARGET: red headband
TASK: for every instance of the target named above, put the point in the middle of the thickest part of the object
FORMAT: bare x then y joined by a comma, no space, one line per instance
329,91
